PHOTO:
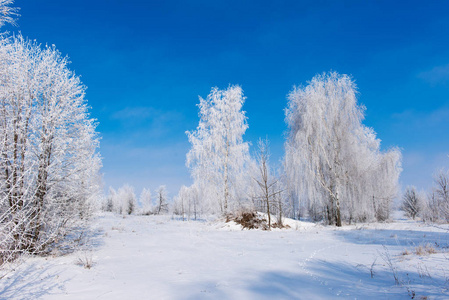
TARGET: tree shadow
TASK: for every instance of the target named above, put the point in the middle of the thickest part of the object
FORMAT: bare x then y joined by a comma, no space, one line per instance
36,276
31,282
389,237
324,280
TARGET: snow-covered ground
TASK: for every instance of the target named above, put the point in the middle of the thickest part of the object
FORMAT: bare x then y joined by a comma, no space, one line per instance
151,257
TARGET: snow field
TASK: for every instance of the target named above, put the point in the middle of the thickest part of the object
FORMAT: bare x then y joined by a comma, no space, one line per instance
155,257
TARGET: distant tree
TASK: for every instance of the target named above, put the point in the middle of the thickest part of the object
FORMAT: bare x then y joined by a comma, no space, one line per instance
436,208
334,160
180,203
146,201
218,157
128,199
110,198
186,203
411,202
430,211
441,191
162,204
194,207
123,201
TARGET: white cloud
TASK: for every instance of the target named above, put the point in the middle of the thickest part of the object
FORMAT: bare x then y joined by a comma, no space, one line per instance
438,75
433,118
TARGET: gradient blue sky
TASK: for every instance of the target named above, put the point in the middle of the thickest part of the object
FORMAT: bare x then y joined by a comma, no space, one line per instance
146,62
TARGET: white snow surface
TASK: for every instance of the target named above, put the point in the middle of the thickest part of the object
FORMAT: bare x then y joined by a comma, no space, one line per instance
156,257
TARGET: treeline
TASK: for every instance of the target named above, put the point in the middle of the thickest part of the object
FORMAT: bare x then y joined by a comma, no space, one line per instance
124,201
432,206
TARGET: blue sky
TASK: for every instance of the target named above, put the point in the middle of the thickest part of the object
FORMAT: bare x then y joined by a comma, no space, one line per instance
146,62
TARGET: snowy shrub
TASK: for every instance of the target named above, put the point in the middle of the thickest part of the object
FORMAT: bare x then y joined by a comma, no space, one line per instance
425,250
85,260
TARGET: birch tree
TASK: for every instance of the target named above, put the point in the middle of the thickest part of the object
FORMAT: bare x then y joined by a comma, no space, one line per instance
218,157
336,160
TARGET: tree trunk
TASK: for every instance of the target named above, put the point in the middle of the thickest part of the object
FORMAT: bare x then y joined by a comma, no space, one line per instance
42,178
226,180
268,211
337,213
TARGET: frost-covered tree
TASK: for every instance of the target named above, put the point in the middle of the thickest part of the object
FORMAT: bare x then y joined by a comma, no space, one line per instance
436,207
411,202
123,201
49,165
8,14
335,161
186,203
181,203
110,199
441,191
146,201
162,200
218,157
127,198
292,190
194,208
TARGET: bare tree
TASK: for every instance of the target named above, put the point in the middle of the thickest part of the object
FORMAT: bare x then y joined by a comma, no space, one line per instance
162,204
268,194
